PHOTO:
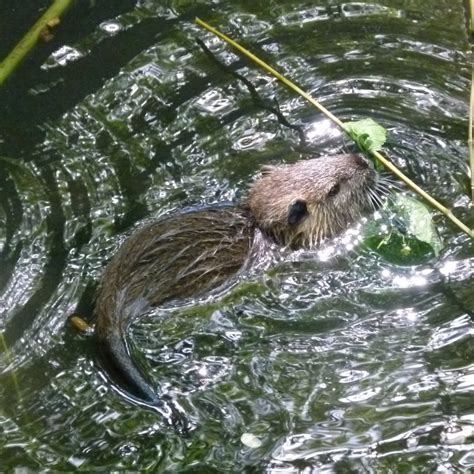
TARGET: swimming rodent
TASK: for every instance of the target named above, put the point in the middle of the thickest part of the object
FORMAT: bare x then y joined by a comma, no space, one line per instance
193,252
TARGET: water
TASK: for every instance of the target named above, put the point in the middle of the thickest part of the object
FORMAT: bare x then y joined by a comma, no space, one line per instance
350,365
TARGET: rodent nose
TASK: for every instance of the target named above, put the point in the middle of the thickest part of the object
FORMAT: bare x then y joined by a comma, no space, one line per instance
360,161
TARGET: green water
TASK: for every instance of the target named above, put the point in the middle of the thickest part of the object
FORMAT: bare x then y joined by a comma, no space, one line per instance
354,364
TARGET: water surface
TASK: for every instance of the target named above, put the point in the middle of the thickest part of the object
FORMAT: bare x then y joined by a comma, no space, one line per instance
353,364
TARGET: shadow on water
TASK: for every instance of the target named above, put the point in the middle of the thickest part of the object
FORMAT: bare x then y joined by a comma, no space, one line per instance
354,363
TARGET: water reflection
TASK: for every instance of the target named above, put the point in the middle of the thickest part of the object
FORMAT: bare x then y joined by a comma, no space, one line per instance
333,360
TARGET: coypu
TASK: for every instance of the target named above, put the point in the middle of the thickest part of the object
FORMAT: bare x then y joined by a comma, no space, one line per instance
193,252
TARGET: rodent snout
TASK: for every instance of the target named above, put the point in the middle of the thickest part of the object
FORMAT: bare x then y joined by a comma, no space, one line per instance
360,161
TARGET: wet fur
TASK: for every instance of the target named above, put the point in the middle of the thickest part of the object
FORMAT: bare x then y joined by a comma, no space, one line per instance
187,254
311,182
194,252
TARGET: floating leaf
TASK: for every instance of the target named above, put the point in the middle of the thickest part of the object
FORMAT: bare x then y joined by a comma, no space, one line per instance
368,134
418,219
405,233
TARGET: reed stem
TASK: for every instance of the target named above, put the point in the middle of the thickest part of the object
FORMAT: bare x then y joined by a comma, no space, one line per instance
27,43
390,166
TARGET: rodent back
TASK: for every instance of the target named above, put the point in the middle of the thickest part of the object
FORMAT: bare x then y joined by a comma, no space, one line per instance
184,255
180,256
194,252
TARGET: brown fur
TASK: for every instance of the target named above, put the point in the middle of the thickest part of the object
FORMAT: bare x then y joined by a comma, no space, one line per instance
311,181
194,252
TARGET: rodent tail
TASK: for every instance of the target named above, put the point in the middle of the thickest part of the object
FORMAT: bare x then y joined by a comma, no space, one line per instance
115,358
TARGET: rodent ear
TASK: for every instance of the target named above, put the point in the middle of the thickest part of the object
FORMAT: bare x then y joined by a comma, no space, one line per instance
267,169
297,212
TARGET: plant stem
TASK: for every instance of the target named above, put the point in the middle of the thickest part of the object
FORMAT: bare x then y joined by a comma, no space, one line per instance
328,114
16,56
434,203
9,359
471,107
470,142
272,71
472,16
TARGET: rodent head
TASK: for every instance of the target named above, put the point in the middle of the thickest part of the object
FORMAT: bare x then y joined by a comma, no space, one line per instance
302,204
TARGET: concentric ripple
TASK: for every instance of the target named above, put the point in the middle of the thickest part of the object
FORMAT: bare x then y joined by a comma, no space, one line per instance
331,361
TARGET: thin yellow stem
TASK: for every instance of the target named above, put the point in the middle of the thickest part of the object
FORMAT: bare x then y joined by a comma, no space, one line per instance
470,142
16,56
9,359
272,71
437,205
471,107
326,112
472,15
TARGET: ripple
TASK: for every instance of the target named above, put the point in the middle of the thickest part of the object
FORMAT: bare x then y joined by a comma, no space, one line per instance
333,360
213,101
62,57
304,16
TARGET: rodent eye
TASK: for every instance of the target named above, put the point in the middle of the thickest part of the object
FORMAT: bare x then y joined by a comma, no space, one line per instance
334,190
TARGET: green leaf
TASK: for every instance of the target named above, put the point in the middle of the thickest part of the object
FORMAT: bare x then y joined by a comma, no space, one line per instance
405,233
418,219
368,134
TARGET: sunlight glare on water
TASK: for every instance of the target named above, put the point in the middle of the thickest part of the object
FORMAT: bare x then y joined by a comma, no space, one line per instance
333,360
